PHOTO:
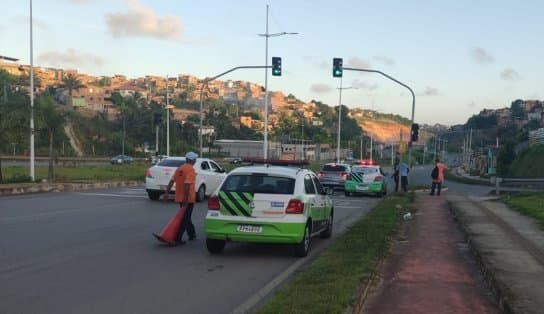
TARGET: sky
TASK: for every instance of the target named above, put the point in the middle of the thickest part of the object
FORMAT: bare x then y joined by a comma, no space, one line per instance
458,57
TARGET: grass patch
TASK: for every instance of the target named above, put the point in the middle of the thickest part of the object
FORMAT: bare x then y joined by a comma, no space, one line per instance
529,204
328,285
81,173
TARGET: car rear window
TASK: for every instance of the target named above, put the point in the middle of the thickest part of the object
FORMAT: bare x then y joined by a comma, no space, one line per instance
334,168
365,170
251,183
171,163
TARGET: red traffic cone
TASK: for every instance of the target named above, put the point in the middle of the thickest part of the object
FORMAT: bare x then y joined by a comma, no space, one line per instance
170,231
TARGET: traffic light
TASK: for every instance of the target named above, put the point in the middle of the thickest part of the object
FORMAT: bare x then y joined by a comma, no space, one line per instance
414,135
276,66
337,67
157,118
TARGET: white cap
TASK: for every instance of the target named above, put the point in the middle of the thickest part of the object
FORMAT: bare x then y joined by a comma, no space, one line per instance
191,156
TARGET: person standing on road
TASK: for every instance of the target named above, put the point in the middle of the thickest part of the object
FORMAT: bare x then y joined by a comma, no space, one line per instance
185,179
438,176
404,170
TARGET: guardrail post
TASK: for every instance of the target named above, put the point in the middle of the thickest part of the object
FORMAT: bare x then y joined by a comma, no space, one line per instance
497,186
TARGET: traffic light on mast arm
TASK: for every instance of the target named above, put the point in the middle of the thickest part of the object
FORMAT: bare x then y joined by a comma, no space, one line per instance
276,66
337,67
414,135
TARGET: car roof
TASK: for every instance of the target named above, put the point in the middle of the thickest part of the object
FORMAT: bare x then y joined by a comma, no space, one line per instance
277,170
338,164
183,158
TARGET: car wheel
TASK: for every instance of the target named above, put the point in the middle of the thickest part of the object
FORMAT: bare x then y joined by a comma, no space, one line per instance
201,193
327,233
154,195
302,248
215,246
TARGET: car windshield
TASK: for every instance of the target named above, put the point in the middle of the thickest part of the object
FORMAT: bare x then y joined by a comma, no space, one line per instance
334,168
171,163
258,183
365,170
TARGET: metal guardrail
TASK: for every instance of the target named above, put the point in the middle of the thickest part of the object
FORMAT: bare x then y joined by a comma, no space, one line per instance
502,180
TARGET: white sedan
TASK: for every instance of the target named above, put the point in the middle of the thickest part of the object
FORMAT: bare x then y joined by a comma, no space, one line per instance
209,176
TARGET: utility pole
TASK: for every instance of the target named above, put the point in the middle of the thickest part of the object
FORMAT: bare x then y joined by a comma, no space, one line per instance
32,153
370,146
361,151
168,120
339,123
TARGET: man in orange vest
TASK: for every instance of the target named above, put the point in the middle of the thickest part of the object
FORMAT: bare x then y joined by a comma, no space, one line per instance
439,178
185,179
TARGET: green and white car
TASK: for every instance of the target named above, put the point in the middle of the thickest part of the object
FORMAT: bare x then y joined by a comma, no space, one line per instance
366,179
268,204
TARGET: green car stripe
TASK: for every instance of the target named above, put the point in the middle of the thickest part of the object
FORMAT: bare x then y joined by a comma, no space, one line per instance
241,206
226,208
356,177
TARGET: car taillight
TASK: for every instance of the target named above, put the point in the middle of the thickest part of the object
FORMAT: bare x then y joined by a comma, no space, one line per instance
213,203
321,174
348,177
148,173
378,178
342,174
295,207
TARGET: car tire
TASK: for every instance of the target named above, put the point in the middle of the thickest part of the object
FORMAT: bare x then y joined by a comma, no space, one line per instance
154,195
215,246
201,193
303,247
327,233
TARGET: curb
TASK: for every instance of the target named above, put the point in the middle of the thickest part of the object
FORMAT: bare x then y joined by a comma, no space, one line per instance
498,289
18,189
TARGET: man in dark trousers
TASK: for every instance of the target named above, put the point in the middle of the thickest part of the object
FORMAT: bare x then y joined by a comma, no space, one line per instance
185,179
396,171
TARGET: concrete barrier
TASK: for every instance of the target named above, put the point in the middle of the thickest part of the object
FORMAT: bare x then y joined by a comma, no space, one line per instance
26,188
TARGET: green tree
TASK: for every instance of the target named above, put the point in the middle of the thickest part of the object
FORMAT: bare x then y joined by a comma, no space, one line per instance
71,83
50,121
505,158
516,109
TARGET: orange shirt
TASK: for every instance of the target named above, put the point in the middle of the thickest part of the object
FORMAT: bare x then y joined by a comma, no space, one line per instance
185,174
441,168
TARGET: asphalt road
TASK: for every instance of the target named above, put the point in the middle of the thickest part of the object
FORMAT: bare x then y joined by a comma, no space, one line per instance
93,252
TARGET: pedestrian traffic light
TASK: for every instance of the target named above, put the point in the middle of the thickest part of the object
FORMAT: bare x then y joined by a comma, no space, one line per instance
276,66
337,67
414,135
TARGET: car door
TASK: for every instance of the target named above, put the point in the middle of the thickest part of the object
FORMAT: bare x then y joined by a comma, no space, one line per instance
217,173
204,173
322,199
312,200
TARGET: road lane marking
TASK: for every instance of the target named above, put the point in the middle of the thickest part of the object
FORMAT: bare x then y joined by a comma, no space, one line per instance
113,195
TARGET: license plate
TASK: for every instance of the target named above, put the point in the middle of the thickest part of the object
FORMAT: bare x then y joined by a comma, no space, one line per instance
362,187
249,228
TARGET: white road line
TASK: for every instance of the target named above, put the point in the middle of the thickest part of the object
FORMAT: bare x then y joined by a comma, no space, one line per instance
114,195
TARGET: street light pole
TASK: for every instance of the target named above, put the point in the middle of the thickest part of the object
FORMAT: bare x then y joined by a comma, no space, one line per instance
167,120
32,157
266,100
340,119
339,122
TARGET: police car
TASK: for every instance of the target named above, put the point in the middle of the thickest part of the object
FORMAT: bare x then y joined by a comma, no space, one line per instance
268,204
366,178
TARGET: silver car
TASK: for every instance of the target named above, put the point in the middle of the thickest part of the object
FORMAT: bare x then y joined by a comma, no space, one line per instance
334,175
